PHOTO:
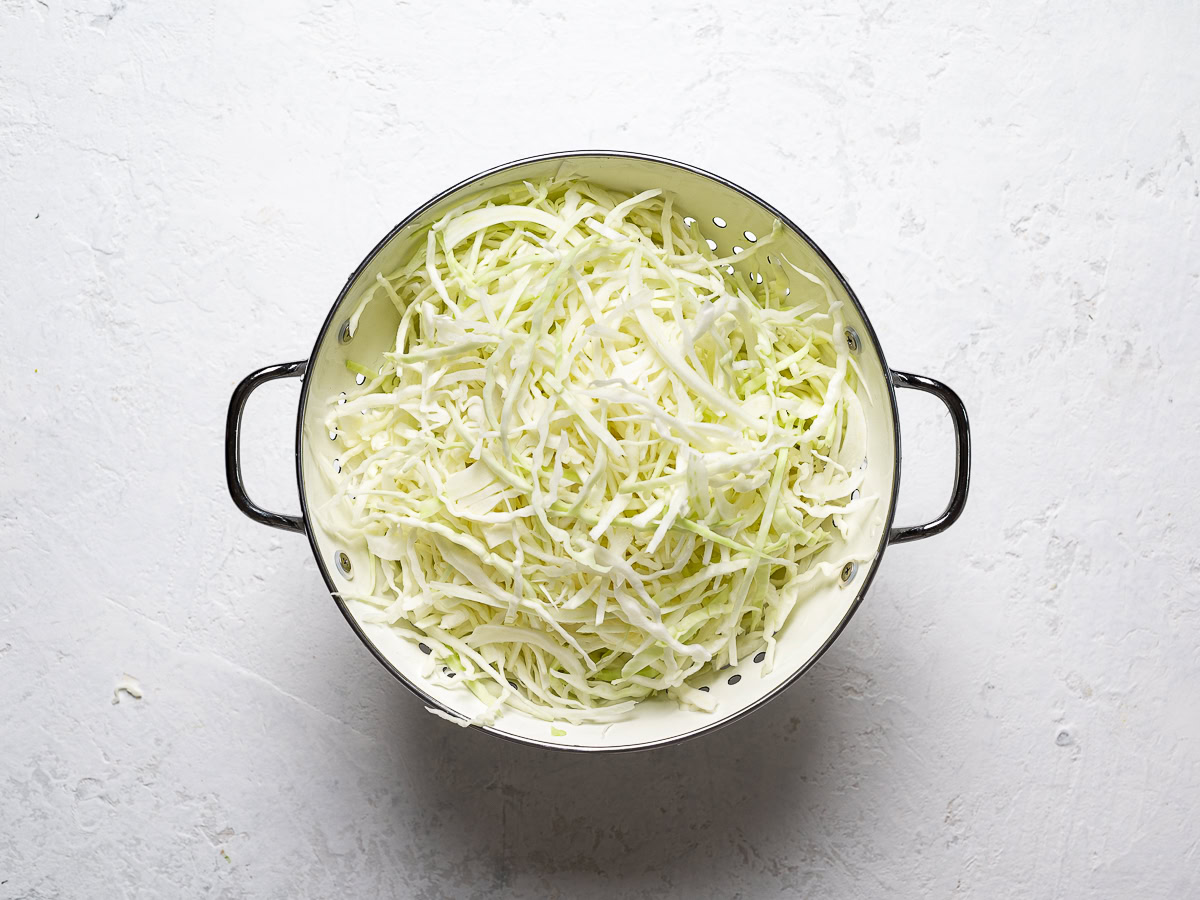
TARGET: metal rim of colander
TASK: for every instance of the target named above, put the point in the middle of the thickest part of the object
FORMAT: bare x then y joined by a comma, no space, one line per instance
716,723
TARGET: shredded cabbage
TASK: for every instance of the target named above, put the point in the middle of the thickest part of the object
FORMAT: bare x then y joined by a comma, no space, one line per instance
599,462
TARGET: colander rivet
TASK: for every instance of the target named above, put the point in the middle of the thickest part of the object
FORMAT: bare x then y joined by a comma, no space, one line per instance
344,562
344,333
848,572
852,340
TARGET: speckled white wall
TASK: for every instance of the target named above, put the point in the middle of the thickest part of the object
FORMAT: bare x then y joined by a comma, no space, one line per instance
1012,189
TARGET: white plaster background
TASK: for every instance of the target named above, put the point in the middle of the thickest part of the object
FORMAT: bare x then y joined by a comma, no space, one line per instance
1013,191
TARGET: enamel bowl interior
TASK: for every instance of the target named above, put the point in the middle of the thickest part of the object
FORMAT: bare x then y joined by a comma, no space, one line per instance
813,623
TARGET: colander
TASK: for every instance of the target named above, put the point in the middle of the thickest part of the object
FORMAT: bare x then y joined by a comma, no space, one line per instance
728,215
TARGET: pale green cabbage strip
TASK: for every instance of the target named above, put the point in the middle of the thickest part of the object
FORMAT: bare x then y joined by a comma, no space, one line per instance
595,465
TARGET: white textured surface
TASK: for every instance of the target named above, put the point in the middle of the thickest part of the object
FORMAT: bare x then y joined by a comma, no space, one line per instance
1012,191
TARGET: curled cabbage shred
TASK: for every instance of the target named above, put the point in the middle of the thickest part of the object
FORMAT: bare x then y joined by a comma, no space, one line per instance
599,462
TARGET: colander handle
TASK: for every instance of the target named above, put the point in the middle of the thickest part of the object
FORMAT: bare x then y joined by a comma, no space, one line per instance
962,457
233,445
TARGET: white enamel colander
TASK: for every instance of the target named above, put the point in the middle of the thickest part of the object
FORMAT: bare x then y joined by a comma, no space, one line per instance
724,212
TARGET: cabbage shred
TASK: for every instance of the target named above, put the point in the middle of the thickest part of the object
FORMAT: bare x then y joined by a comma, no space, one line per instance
599,461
